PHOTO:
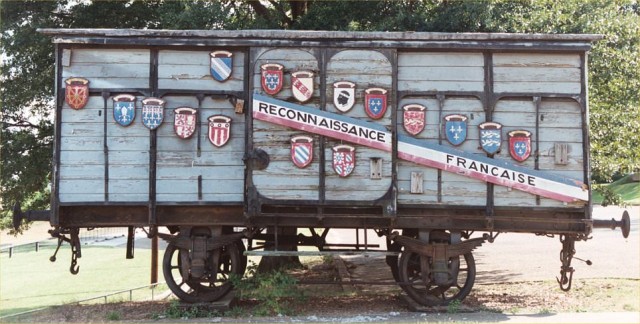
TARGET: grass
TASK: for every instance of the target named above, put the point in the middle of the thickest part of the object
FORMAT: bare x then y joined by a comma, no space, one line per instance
29,280
628,190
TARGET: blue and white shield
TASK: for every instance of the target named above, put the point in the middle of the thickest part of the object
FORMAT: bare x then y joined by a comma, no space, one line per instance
152,112
221,65
301,151
455,127
124,109
490,137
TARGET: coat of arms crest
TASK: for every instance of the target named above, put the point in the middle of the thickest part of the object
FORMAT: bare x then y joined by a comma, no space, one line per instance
184,121
152,112
490,137
344,159
302,85
219,130
344,95
375,102
455,128
124,109
76,92
301,150
272,77
414,118
520,145
221,65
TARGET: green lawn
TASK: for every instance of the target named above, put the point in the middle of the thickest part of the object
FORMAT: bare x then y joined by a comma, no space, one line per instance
628,190
28,280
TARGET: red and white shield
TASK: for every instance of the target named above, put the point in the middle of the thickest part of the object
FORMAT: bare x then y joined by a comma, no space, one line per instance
184,121
301,150
520,144
302,85
76,92
219,130
344,95
375,102
344,159
414,117
272,77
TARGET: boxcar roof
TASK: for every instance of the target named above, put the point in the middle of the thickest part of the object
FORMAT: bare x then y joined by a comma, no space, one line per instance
315,38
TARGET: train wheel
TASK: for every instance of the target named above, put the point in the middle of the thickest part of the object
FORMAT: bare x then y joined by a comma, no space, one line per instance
211,287
429,294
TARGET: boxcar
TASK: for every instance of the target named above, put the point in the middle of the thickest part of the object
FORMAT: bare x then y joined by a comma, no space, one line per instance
234,140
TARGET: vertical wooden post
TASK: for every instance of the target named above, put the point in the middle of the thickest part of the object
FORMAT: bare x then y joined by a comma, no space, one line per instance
154,259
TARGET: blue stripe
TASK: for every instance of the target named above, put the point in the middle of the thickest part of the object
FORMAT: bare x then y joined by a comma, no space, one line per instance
487,160
321,113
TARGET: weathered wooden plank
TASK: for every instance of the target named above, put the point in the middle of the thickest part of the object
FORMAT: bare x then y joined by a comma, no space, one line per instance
187,186
92,186
103,70
442,73
440,86
110,55
537,87
536,60
536,74
85,115
129,186
70,171
118,83
207,172
414,59
129,197
123,143
81,129
193,197
128,171
84,157
190,158
81,143
80,197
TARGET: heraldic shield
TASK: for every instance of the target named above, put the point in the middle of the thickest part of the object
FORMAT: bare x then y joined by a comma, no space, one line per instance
272,78
152,112
124,109
455,127
301,151
76,92
221,65
344,159
219,130
302,85
520,145
375,102
184,121
490,137
344,95
414,118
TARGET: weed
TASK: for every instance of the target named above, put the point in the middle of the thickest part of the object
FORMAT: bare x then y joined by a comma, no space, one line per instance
454,306
513,310
544,311
275,291
175,311
114,316
234,312
629,308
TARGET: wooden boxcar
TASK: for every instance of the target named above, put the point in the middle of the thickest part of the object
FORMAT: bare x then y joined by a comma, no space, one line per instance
226,137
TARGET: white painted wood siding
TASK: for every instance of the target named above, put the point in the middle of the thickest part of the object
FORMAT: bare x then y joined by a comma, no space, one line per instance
536,72
440,71
110,68
190,70
367,69
282,179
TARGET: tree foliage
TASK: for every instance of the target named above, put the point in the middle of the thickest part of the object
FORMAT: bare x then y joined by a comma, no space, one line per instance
26,78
